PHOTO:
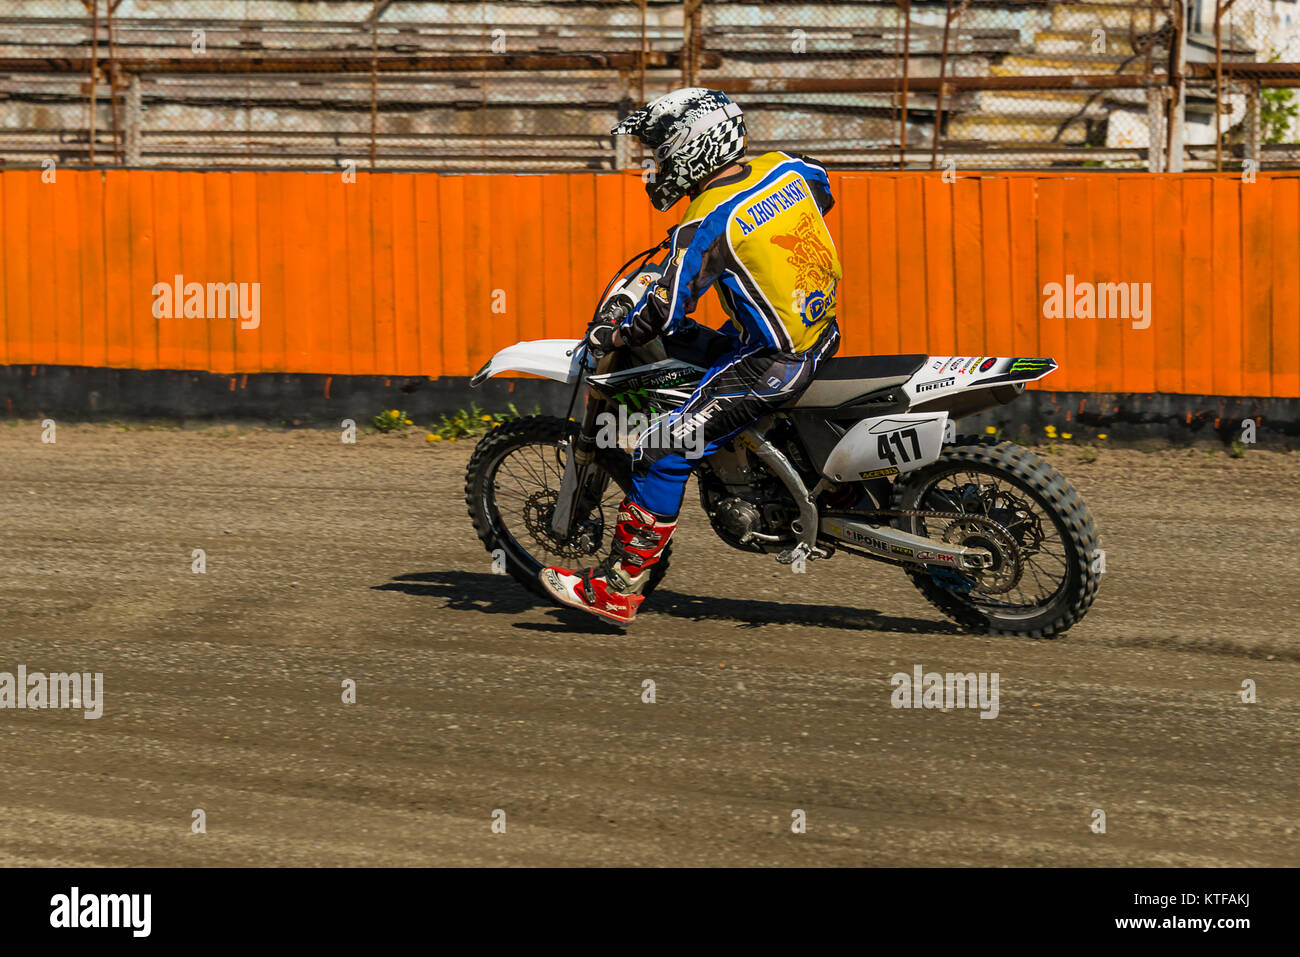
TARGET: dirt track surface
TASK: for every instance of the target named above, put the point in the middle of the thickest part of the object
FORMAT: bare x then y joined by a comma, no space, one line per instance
328,562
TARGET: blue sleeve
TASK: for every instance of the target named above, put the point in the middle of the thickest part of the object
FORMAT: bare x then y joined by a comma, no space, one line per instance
815,175
690,270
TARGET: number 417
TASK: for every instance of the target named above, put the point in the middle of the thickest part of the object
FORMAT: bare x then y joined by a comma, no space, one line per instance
894,457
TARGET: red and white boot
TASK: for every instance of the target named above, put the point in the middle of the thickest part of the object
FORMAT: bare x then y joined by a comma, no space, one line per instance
613,588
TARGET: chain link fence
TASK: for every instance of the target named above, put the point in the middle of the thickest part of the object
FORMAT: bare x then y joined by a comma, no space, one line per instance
535,85
1015,83
393,84
926,61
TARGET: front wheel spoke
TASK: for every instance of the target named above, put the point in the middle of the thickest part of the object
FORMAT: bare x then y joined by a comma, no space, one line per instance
509,493
525,501
516,479
533,475
550,464
540,471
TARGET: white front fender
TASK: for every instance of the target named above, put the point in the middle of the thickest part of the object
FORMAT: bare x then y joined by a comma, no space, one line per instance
557,359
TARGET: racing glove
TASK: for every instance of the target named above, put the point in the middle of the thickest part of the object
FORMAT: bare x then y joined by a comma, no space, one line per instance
600,334
600,338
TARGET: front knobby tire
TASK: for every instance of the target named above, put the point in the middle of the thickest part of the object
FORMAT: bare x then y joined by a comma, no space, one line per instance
1043,485
496,500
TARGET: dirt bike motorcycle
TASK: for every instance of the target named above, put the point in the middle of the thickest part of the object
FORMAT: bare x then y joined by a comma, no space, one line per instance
865,463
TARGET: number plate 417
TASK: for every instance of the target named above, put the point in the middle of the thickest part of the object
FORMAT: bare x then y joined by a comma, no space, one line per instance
887,445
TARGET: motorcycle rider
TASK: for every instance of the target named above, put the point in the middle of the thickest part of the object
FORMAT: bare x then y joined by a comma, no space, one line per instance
754,231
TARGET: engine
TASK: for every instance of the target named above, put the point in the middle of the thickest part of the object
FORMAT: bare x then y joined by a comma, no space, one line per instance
737,517
748,507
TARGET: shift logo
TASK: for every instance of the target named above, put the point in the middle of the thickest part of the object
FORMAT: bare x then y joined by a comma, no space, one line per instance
77,910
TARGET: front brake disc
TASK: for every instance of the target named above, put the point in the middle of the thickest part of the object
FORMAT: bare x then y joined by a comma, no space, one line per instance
587,537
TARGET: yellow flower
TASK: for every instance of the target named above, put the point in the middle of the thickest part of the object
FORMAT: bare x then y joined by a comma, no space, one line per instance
989,430
1050,429
485,418
1102,435
1066,435
430,437
407,422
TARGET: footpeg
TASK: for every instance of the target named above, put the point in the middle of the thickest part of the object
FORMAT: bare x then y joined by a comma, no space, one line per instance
802,552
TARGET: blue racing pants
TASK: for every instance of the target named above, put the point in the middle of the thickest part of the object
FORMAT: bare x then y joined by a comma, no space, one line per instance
739,388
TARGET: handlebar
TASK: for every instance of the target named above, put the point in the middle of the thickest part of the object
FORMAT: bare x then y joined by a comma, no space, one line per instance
617,309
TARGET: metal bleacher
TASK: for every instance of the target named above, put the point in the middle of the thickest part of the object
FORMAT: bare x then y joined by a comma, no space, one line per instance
534,85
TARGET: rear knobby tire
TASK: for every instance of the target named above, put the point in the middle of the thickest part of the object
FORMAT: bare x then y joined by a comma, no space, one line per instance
1054,493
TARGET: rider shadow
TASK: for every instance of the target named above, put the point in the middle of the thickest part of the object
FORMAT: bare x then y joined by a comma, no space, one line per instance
495,595
501,595
755,613
465,591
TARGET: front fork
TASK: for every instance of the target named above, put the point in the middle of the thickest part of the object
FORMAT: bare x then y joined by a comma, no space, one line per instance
582,453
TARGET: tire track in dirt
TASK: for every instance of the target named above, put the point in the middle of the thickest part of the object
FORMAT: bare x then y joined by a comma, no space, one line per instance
326,562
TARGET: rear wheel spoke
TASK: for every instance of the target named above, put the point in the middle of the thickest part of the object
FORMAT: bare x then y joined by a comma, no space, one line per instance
1031,527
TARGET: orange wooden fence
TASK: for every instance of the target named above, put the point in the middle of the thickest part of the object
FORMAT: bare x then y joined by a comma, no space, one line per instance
428,275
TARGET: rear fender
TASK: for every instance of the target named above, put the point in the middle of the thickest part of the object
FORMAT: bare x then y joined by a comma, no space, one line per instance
965,385
945,375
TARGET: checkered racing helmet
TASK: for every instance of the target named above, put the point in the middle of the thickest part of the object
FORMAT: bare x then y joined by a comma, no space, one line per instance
694,133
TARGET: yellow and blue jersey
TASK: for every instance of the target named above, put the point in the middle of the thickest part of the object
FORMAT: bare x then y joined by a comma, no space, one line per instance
759,238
